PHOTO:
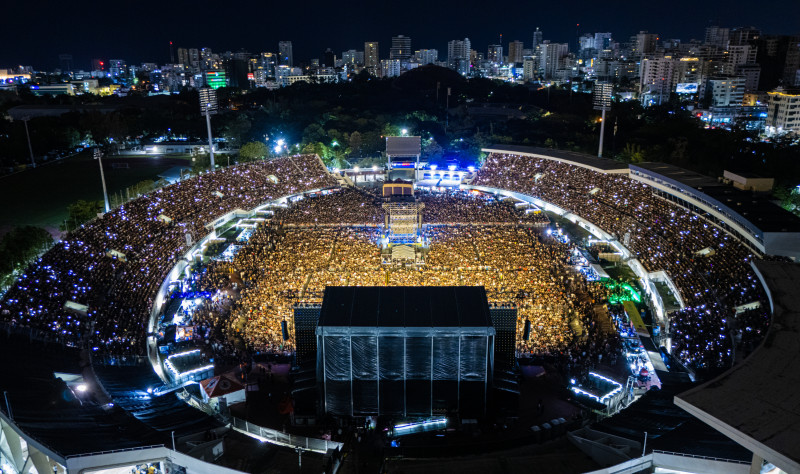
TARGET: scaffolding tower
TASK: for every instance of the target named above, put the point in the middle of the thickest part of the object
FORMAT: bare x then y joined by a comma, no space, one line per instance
403,221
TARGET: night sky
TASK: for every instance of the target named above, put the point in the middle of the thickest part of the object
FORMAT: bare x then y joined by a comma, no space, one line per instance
34,33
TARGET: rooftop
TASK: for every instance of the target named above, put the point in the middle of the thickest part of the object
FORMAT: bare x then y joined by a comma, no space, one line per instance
760,211
755,403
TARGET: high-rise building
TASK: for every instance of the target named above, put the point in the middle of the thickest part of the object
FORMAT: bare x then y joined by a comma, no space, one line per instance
656,76
537,38
183,56
724,92
390,67
268,62
515,51
401,48
717,36
602,41
495,53
328,58
285,53
458,55
350,58
645,43
744,35
371,57
194,57
427,56
530,68
751,74
783,114
551,57
117,67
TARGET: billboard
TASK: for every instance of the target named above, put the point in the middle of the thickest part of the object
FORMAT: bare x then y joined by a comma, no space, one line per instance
686,88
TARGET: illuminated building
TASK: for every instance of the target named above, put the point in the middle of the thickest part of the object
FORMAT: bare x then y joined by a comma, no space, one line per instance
495,53
458,55
551,57
285,53
515,51
216,79
426,56
401,48
371,57
783,114
656,76
7,76
117,67
727,91
390,67
351,57
183,56
537,38
53,89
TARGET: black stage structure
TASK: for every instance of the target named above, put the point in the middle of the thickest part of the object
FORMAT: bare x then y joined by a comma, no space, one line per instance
404,351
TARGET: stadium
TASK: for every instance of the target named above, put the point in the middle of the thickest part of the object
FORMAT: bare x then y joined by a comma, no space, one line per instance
200,328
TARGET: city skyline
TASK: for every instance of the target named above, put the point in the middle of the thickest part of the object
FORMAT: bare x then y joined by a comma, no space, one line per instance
144,36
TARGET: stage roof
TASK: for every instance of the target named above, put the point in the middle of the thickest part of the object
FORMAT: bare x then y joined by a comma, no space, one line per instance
405,306
755,403
403,146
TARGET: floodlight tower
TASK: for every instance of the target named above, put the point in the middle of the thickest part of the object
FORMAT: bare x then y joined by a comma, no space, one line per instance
208,107
602,101
98,155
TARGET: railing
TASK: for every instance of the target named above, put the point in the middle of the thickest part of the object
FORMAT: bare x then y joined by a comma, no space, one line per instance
284,439
195,402
107,360
697,456
114,451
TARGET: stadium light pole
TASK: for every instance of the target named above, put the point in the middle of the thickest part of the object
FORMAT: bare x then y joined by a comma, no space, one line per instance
602,102
28,134
98,155
208,106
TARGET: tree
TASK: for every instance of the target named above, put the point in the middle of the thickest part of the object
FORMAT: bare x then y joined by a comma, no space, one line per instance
355,142
18,248
81,212
253,151
632,153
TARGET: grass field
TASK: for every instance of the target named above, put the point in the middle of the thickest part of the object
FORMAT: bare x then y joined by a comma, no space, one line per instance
40,196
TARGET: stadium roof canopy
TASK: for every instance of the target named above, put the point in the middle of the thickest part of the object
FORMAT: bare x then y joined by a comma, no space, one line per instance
603,165
762,213
405,306
756,402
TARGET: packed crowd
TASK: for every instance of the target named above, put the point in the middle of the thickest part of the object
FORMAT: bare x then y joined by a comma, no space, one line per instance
662,236
517,264
460,207
348,206
148,235
115,264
